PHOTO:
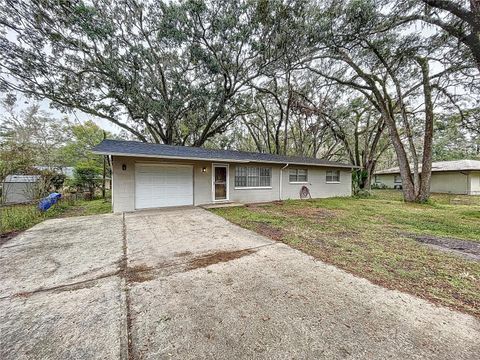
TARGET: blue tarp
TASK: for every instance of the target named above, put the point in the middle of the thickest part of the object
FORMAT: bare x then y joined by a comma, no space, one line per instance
47,202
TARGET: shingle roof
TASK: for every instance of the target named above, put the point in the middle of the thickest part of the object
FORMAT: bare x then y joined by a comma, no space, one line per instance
457,165
22,178
135,148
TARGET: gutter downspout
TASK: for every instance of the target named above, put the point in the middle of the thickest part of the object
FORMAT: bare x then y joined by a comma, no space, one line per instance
281,178
469,184
111,180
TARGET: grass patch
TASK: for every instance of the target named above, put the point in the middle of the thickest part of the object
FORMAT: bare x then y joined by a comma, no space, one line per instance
435,198
17,218
372,238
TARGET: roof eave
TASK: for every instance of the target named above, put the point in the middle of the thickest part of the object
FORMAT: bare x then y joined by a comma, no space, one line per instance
221,160
433,171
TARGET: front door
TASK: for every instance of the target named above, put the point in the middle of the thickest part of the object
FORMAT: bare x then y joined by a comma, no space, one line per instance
220,182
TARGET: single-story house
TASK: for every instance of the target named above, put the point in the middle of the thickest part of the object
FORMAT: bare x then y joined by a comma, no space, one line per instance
146,175
454,177
19,189
65,170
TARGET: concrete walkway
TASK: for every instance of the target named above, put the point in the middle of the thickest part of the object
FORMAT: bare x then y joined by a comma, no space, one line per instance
187,284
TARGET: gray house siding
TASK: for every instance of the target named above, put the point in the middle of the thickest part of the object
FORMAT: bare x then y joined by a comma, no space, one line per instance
246,195
123,194
123,184
123,181
474,183
448,182
317,183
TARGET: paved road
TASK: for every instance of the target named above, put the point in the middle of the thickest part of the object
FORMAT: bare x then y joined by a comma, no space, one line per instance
187,284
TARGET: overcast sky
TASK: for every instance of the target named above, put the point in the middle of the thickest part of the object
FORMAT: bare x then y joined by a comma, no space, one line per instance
23,102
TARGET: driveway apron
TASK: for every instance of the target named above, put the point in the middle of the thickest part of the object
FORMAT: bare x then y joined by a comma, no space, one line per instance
186,284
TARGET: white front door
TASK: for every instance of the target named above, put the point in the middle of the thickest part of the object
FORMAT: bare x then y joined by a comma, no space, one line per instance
220,182
163,185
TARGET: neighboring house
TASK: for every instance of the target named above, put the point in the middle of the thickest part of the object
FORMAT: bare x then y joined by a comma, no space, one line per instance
146,175
455,177
65,170
18,189
69,172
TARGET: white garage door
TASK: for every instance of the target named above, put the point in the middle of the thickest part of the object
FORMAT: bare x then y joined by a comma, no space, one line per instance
163,185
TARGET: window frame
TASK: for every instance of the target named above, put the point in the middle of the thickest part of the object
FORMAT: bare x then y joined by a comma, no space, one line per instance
246,174
395,179
297,181
332,177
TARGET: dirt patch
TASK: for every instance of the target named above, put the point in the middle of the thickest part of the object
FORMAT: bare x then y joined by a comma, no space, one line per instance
270,232
264,204
217,257
465,248
345,234
73,211
183,254
310,213
4,238
139,273
23,294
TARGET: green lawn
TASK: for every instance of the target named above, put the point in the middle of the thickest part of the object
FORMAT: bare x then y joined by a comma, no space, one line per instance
373,238
21,217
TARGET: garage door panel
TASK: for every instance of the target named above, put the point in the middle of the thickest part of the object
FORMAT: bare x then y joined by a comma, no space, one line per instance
163,185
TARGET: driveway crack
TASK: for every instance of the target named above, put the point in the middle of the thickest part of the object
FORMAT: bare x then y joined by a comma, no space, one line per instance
128,351
64,287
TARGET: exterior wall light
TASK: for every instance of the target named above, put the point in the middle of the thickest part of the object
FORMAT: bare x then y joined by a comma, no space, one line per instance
204,170
124,167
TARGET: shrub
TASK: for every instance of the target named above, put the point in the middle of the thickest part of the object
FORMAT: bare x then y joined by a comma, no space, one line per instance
363,194
87,176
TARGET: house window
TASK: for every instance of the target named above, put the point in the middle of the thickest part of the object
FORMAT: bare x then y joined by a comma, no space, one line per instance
397,179
297,175
252,177
333,176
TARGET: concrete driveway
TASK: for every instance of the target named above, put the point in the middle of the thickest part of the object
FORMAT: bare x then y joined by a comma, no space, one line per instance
187,284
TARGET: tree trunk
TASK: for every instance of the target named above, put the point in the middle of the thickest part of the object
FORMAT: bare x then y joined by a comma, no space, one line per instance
104,169
253,135
370,168
287,120
424,193
408,186
387,113
371,157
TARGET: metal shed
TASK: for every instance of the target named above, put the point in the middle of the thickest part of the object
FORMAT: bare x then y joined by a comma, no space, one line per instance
18,189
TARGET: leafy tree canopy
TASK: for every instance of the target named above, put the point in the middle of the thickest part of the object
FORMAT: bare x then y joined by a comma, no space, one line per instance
82,138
